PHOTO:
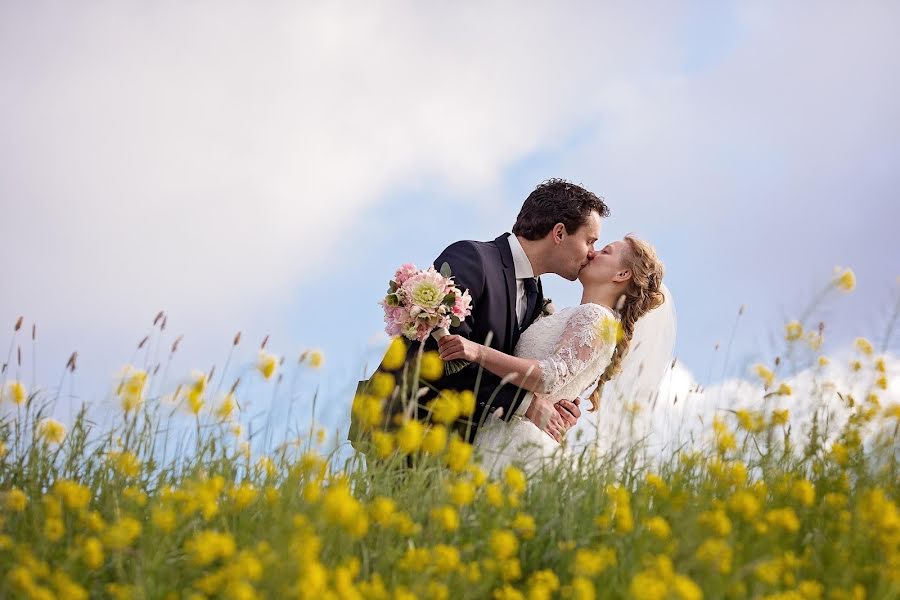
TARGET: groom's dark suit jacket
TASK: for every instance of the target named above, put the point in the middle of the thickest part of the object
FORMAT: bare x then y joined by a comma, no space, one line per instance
486,270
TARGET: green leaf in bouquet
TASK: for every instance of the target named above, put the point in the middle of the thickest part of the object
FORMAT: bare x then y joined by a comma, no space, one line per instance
454,321
392,286
392,300
450,299
445,270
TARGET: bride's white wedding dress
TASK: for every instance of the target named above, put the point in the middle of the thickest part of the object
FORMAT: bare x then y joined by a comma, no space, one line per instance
574,346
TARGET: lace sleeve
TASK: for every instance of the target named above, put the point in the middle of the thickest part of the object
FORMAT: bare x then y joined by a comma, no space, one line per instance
584,338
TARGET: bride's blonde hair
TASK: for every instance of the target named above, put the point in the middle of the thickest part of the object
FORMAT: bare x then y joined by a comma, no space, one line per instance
642,295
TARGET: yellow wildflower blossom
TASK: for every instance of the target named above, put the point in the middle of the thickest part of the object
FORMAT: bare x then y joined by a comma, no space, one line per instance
395,356
793,331
410,435
864,346
765,374
122,533
432,367
844,279
51,431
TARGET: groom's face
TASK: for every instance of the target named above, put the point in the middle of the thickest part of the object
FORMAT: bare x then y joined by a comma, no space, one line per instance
577,249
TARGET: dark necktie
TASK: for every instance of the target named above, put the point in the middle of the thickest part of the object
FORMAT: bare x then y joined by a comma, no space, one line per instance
531,296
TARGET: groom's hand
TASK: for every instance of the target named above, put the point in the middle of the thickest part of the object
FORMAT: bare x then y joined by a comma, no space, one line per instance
569,412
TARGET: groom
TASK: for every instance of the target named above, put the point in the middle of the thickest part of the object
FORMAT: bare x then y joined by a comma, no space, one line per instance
555,232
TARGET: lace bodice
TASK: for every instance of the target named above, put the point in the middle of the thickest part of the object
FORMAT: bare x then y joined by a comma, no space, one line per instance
573,345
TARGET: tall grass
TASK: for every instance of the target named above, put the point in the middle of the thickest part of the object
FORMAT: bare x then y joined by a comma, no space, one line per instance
150,508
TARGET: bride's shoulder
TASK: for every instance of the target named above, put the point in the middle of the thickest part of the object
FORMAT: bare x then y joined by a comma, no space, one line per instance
596,311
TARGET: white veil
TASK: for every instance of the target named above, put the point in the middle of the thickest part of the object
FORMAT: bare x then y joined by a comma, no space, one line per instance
635,388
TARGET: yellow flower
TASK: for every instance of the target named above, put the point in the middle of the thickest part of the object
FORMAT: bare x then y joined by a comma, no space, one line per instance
744,504
716,553
783,390
515,479
590,563
435,439
542,584
879,365
432,367
823,361
122,533
793,331
15,500
316,359
410,435
54,529
382,510
226,407
524,525
765,374
503,544
368,410
51,431
658,527
196,389
446,516
383,443
445,559
716,521
163,518
125,463
462,493
341,508
844,279
814,340
382,384
804,492
780,417
74,495
444,408
16,392
395,356
508,592
458,454
207,546
92,553
609,330
266,364
131,388
784,518
881,382
582,588
864,346
494,494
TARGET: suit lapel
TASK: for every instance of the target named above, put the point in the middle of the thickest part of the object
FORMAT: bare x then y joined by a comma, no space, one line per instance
509,273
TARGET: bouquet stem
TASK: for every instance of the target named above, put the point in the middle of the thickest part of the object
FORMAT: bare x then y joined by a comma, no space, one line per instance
451,366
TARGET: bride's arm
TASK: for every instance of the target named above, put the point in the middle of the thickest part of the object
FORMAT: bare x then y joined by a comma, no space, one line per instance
578,345
524,372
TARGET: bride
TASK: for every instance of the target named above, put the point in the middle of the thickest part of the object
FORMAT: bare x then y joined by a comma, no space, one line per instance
571,351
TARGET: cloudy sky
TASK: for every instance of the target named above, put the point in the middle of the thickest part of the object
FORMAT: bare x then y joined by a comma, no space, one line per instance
264,167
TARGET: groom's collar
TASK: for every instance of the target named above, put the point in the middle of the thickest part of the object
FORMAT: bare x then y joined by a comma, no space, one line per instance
523,266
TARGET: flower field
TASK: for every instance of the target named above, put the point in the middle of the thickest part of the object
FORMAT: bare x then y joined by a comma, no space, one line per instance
756,508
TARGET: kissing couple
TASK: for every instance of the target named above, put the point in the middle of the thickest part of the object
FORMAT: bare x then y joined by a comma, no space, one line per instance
528,367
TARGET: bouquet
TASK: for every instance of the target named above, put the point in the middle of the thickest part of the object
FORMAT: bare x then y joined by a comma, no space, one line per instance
423,302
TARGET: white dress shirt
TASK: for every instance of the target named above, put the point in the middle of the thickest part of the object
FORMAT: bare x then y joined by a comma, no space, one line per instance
523,270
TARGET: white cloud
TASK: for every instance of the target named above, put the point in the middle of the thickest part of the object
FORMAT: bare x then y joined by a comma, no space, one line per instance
204,158
684,410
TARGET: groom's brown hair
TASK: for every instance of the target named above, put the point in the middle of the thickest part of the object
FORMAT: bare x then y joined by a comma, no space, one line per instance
556,201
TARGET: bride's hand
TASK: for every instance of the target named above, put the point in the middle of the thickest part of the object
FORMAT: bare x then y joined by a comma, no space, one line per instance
453,347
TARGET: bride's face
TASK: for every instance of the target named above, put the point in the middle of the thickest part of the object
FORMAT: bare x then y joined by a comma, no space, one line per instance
607,264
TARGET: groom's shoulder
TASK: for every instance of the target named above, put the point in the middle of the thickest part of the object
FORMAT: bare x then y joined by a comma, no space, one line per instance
471,249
